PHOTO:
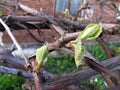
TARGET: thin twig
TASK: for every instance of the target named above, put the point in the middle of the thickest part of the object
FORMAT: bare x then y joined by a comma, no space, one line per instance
85,6
108,52
37,79
15,42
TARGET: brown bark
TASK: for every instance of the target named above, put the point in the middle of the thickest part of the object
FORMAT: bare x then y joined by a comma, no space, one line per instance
107,50
68,79
83,75
37,79
45,22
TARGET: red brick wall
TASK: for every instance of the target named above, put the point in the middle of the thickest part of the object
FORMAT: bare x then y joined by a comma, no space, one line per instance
107,14
47,5
23,36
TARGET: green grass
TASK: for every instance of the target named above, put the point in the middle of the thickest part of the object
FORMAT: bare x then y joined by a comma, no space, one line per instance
97,51
63,64
115,47
0,11
99,83
10,82
100,55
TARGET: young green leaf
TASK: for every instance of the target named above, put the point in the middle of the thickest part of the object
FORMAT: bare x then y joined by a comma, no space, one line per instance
79,53
67,13
41,55
92,31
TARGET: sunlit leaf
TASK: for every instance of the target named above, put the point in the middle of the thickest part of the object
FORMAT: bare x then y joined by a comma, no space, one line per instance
117,50
92,31
79,53
41,55
67,13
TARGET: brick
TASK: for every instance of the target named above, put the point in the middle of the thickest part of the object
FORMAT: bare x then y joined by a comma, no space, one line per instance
47,5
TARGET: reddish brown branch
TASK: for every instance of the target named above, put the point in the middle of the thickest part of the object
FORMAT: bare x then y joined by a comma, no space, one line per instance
38,83
44,23
108,80
62,41
85,6
101,69
58,29
108,52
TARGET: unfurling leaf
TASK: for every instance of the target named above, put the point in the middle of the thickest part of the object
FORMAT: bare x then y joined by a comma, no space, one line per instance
41,55
79,53
92,31
67,13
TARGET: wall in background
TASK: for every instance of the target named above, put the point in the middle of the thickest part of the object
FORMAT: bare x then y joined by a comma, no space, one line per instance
48,5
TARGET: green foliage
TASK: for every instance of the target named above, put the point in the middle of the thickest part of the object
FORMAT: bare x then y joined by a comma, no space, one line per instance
115,47
0,11
96,51
99,82
100,55
63,64
117,50
10,82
